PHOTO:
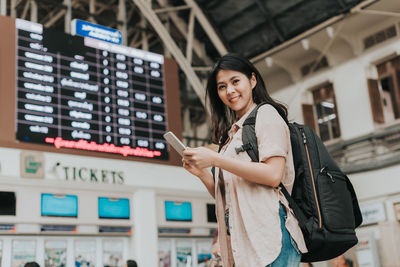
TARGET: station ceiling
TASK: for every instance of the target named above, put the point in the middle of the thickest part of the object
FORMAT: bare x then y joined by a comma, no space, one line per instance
248,27
251,27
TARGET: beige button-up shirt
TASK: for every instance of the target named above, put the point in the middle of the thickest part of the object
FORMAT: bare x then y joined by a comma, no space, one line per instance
254,220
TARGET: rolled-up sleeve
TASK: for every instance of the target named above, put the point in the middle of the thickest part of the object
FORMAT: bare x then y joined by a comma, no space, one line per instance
272,133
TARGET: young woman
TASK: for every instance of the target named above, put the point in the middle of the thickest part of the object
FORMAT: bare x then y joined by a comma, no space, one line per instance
256,225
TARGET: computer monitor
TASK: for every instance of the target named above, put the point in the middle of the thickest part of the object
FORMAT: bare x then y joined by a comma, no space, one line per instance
7,203
113,208
211,217
59,205
178,211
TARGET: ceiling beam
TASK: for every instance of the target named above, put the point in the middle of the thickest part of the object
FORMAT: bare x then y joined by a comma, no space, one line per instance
379,12
25,10
189,43
182,27
172,8
34,11
55,18
208,28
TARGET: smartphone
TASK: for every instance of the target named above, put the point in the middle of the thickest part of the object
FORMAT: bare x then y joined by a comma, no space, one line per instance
175,142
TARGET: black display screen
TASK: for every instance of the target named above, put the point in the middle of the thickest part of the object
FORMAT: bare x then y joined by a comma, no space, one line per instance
211,217
7,203
82,93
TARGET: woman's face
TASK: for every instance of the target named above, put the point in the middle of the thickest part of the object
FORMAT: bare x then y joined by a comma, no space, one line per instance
235,90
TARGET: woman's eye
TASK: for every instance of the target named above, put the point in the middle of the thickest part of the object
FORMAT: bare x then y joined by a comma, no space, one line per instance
235,81
221,87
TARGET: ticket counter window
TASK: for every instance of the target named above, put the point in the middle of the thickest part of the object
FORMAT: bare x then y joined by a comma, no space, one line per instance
164,253
184,253
112,253
55,253
85,253
204,252
23,251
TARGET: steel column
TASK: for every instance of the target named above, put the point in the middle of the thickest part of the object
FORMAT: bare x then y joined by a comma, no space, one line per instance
34,11
68,16
201,18
13,8
92,10
122,18
189,43
181,25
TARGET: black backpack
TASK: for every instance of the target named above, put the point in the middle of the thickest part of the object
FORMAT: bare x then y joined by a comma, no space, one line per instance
323,199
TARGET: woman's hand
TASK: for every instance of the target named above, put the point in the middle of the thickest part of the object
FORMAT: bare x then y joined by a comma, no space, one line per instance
196,160
199,157
192,169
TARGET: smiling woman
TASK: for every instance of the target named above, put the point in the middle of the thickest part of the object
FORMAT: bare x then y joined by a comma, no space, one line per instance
256,227
234,89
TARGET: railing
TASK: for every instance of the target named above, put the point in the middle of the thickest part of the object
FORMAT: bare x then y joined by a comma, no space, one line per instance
369,152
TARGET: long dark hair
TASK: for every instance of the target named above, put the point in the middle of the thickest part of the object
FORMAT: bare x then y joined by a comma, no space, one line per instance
223,117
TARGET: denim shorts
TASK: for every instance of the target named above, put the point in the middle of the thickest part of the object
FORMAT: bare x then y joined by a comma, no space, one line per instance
290,255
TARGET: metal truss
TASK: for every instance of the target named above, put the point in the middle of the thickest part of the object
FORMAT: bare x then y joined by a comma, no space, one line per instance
184,60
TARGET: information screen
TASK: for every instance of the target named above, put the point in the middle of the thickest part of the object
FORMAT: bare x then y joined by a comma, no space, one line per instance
82,93
178,211
7,203
59,205
114,208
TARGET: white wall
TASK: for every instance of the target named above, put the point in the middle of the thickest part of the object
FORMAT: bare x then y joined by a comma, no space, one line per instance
350,85
138,174
143,184
376,183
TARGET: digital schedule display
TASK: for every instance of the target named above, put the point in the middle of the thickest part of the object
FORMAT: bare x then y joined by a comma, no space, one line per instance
81,93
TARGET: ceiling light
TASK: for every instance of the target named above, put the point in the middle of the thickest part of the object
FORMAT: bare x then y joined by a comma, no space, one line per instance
330,32
306,44
269,62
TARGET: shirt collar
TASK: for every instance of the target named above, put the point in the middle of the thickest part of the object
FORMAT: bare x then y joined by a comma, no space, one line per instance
239,123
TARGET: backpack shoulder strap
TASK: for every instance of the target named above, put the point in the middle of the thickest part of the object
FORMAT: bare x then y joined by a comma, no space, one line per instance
213,168
250,145
249,138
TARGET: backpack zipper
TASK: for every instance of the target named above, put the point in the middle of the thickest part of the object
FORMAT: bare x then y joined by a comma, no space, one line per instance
312,177
324,171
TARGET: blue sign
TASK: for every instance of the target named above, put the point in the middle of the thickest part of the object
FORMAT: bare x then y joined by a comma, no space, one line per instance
87,29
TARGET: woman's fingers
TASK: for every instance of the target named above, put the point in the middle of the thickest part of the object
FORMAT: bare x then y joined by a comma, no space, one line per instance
188,152
188,162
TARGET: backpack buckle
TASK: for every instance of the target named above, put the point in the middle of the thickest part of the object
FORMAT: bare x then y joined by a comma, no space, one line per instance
243,148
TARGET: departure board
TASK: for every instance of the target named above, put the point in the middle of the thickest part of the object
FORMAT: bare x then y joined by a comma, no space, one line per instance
81,93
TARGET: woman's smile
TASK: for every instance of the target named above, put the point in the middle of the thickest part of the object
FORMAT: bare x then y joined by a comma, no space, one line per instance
234,99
